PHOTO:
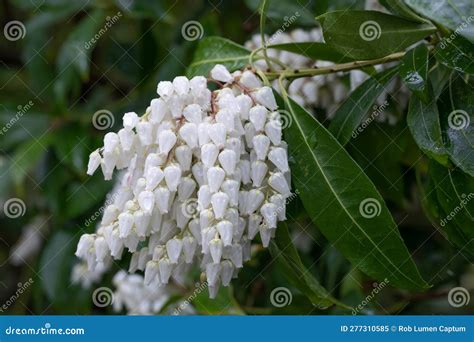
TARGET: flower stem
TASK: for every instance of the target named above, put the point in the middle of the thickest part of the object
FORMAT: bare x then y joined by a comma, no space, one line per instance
288,74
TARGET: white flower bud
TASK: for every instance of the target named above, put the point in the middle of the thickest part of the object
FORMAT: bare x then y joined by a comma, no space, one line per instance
215,248
254,224
250,80
189,134
215,177
186,188
255,199
203,133
204,197
195,229
269,213
145,133
219,202
127,138
265,235
142,223
245,103
258,116
125,224
226,232
258,171
151,272
159,110
181,85
130,120
261,144
231,188
193,113
166,141
209,153
94,162
111,213
165,89
199,173
279,157
173,248
220,73
244,166
205,218
226,117
189,248
227,270
154,175
146,199
278,182
217,133
184,157
273,131
228,160
265,97
162,197
280,202
172,176
111,142
212,273
236,255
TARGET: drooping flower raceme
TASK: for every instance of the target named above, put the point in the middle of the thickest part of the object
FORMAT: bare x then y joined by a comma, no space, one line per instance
205,172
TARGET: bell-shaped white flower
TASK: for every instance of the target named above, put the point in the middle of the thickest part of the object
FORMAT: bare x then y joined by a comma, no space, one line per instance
219,201
173,249
220,73
94,162
279,157
166,141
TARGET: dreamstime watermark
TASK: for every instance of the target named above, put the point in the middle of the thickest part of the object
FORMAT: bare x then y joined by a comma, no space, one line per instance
464,200
102,297
370,208
192,30
103,119
21,110
14,208
287,22
21,287
46,330
370,30
377,288
188,301
448,40
376,111
14,30
458,296
101,210
281,119
458,119
190,208
109,22
280,297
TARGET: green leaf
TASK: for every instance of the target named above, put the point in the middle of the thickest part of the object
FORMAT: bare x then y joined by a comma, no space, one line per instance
414,71
223,304
398,7
451,14
337,195
456,54
287,258
280,10
354,109
216,50
423,122
313,50
455,193
142,8
456,107
370,34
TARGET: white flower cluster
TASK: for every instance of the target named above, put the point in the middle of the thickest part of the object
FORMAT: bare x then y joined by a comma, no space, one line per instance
326,91
206,171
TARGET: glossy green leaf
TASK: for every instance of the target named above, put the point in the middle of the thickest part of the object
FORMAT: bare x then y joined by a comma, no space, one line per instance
401,9
216,50
314,50
354,109
456,108
338,197
281,10
424,124
449,13
370,34
456,54
414,71
286,257
455,194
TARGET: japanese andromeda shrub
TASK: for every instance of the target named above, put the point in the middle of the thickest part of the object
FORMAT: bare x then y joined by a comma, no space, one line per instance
204,172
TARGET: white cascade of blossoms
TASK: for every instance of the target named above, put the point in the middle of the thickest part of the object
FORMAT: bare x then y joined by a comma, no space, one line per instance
205,172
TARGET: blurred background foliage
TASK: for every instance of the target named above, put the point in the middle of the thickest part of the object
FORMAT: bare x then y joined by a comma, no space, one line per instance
43,156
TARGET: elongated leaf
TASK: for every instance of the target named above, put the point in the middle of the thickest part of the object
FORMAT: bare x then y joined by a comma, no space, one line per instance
456,107
281,10
455,193
353,110
400,8
424,124
456,54
338,197
414,71
313,50
452,14
216,50
370,34
286,256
